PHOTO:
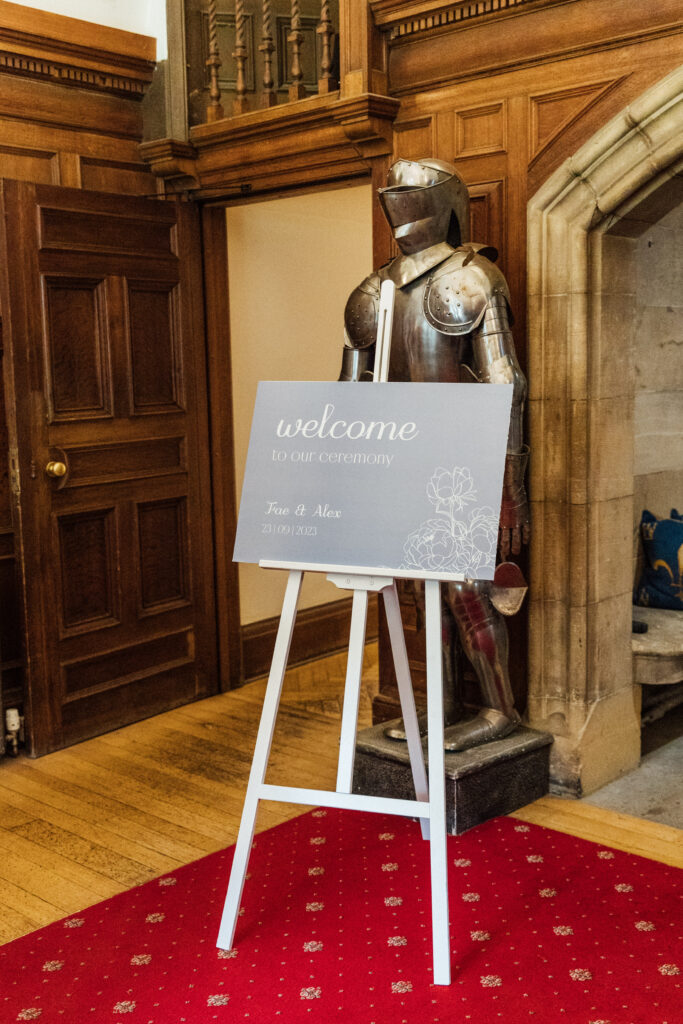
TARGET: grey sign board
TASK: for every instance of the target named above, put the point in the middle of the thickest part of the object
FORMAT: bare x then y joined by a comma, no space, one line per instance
399,479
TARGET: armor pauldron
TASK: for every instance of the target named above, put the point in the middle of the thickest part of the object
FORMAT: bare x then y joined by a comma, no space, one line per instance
459,291
361,313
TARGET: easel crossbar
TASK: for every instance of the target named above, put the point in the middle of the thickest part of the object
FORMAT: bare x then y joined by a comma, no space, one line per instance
345,801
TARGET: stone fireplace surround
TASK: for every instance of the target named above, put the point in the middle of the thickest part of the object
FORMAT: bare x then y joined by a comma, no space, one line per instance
581,411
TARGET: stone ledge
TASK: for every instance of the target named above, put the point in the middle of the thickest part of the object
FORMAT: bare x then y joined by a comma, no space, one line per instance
658,654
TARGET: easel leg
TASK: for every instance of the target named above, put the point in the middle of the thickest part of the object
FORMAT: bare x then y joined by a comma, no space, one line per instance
407,698
259,763
437,786
354,672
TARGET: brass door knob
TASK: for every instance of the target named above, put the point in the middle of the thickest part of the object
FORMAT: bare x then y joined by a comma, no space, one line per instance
56,469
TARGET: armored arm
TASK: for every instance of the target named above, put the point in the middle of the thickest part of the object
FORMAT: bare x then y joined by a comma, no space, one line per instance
360,331
469,295
496,362
357,363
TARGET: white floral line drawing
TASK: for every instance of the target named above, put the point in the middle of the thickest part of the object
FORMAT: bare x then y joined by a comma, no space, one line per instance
445,542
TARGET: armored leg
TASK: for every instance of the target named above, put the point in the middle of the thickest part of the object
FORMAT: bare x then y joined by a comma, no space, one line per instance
483,634
451,708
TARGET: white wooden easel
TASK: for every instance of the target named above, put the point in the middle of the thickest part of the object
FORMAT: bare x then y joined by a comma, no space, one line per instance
430,805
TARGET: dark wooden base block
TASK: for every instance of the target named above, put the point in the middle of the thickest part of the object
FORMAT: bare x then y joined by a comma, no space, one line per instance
485,782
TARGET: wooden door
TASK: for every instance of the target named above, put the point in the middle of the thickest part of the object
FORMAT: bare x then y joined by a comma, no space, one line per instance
105,375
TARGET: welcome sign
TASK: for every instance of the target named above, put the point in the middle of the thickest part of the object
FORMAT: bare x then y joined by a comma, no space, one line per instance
392,478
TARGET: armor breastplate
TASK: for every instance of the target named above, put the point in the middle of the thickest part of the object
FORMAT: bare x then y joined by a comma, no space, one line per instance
461,283
419,352
434,313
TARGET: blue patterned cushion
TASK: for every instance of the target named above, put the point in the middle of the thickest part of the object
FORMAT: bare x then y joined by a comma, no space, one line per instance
661,585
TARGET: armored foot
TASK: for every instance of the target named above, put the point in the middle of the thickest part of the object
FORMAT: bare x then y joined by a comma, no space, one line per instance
488,725
398,732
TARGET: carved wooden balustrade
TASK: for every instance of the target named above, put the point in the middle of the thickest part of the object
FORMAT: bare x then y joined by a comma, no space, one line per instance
297,42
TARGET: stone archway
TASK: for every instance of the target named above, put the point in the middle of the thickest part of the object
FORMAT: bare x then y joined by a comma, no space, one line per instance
580,418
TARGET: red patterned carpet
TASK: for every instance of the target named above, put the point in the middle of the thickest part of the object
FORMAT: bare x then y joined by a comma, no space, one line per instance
336,927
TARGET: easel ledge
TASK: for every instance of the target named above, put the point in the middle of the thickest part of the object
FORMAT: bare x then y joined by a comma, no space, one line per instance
368,571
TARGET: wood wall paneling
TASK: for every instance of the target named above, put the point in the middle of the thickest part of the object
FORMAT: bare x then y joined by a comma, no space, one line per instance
317,632
487,207
414,139
40,165
54,106
481,130
70,93
109,175
532,35
214,258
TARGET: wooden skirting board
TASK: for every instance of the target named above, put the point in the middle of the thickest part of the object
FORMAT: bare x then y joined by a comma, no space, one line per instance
319,631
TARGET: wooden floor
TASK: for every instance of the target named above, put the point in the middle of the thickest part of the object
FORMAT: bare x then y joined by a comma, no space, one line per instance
86,823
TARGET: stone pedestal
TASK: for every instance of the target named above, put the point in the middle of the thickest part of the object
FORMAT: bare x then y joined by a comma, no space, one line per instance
495,778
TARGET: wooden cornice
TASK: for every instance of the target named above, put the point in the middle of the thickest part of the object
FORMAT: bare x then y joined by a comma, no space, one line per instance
172,160
66,51
399,18
537,32
367,121
313,141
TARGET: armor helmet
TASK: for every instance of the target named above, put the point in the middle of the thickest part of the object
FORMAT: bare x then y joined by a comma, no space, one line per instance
425,202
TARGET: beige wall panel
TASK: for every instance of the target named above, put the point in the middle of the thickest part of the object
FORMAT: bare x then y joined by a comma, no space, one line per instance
292,264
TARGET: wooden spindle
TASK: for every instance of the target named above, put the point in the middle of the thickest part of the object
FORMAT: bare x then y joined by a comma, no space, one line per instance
295,37
266,47
240,104
326,82
214,111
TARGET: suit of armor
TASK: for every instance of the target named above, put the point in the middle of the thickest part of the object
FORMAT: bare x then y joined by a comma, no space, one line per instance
452,323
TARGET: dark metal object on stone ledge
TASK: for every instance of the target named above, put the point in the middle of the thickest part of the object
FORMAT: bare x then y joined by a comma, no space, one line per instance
496,778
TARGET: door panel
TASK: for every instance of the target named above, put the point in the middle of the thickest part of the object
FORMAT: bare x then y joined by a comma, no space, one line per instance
157,377
77,345
88,557
162,554
104,343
